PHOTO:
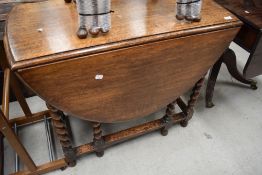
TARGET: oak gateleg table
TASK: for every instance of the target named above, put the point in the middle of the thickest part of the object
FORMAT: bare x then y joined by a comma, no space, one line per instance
145,63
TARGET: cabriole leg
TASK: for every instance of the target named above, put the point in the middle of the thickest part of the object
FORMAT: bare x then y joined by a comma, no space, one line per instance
63,131
192,101
98,139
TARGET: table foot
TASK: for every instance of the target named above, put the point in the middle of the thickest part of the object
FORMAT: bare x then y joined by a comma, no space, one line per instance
98,139
164,132
63,132
184,123
253,85
209,104
100,154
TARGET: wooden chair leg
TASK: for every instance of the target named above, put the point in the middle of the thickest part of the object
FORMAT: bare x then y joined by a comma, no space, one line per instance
167,119
15,143
63,133
98,139
16,88
192,101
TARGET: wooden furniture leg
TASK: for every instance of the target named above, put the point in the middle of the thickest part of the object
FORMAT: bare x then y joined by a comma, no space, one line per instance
167,119
212,78
16,88
192,101
98,139
229,58
6,89
63,132
15,143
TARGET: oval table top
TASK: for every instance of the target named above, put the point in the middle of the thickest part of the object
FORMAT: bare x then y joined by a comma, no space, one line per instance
145,62
132,22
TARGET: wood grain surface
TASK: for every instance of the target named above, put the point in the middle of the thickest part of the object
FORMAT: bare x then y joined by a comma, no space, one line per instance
136,81
146,61
133,22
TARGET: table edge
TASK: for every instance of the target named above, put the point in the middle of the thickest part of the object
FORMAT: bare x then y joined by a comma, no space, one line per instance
16,65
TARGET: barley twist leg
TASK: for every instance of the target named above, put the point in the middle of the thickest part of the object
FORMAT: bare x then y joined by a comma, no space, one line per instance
63,131
167,119
192,101
98,139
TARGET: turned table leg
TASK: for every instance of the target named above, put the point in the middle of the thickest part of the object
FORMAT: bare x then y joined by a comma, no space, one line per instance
192,101
229,59
63,132
167,119
98,140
